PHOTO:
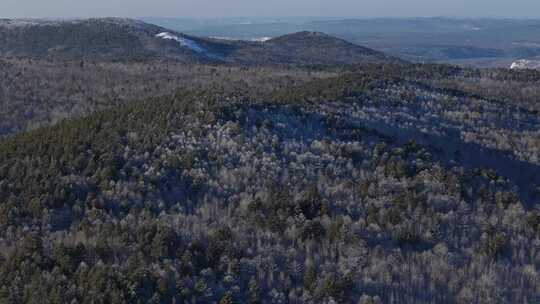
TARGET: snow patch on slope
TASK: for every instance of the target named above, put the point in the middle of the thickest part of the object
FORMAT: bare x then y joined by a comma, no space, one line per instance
525,64
190,44
258,39
262,39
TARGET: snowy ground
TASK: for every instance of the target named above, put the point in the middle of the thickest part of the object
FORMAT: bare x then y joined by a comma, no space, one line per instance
190,44
525,64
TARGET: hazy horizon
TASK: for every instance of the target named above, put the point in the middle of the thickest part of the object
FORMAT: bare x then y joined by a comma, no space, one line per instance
192,9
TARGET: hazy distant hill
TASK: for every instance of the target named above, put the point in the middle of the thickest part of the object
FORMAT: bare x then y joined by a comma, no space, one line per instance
108,38
307,48
126,39
467,41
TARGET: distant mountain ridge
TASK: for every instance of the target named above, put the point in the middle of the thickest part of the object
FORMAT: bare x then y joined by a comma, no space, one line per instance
106,38
479,42
127,39
319,48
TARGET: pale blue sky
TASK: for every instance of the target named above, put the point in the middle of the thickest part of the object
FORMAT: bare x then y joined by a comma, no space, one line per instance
253,8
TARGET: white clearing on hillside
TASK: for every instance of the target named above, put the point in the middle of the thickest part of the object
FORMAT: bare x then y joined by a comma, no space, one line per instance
261,39
525,64
190,44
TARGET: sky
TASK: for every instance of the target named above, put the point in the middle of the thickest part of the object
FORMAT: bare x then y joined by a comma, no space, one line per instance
268,8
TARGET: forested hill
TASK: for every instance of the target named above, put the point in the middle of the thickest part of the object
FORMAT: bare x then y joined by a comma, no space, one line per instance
370,186
36,93
127,40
